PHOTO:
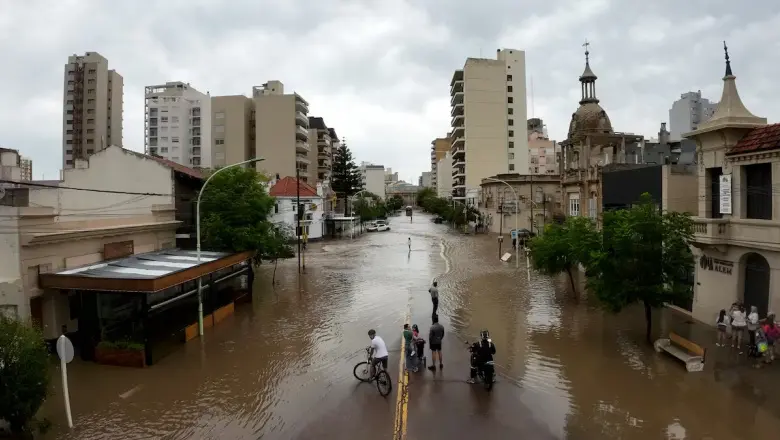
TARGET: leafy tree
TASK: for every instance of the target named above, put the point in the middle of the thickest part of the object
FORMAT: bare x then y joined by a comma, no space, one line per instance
370,206
345,176
644,257
24,373
394,203
563,247
235,216
425,194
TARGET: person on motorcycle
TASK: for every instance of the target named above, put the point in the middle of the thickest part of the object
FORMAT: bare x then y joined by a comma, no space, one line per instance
481,352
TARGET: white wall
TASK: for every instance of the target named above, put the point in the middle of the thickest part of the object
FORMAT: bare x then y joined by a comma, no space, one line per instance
11,292
444,176
373,179
112,169
286,214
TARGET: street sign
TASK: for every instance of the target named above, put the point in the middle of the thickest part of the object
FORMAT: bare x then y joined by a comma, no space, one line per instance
65,349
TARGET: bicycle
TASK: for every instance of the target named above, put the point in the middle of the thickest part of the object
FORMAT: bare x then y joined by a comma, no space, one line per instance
362,371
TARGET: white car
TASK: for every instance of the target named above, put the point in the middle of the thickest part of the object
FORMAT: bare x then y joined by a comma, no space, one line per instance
382,227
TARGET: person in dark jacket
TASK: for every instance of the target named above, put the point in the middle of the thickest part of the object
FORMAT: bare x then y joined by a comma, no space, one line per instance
435,336
481,352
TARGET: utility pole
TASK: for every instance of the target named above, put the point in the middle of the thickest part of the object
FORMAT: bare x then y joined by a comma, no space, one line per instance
298,211
533,215
500,228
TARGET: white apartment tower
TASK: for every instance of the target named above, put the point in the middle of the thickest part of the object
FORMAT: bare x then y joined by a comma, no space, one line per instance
688,112
178,124
92,107
373,178
488,109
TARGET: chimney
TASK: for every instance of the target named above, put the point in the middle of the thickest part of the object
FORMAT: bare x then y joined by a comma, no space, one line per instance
277,176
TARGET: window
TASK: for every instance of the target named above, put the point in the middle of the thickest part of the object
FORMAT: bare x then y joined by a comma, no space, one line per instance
509,89
511,122
511,144
69,121
510,111
511,167
90,81
163,119
70,83
510,100
70,101
509,77
175,119
69,162
90,141
90,130
90,101
163,129
276,208
511,133
758,183
511,156
92,71
68,131
219,115
163,149
90,111
175,139
592,207
90,91
70,112
219,129
219,141
164,139
574,205
90,121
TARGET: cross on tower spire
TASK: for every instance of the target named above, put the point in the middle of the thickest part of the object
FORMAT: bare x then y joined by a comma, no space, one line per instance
585,45
728,63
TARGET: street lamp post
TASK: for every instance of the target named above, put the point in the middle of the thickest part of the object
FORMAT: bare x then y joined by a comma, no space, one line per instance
517,206
352,226
197,233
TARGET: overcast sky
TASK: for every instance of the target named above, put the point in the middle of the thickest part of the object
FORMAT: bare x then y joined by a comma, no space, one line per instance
379,71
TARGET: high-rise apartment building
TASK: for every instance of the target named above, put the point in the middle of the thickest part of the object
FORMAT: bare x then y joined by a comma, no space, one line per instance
688,112
178,124
92,107
232,130
373,178
439,148
489,133
25,165
444,176
282,132
320,153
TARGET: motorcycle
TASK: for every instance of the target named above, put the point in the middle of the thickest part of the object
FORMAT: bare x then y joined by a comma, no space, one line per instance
486,374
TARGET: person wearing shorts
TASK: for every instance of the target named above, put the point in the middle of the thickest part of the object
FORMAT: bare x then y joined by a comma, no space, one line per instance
435,337
378,351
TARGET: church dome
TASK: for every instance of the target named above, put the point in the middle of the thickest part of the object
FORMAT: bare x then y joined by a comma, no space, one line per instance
589,118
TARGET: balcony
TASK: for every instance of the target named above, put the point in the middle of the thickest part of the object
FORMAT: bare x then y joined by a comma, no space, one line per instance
301,133
299,158
456,87
459,132
457,98
457,110
323,164
301,120
324,141
459,171
458,153
323,154
457,76
301,106
302,147
195,151
458,121
736,231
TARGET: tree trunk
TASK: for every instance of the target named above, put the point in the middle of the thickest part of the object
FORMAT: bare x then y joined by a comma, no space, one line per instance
273,279
571,280
648,322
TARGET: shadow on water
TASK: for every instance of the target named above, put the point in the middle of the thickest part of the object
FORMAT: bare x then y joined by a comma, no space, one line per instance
282,365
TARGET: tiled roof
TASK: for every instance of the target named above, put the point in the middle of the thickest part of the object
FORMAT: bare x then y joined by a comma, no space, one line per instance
179,168
759,139
287,187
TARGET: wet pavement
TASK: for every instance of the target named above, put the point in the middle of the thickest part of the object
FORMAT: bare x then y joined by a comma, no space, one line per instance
281,367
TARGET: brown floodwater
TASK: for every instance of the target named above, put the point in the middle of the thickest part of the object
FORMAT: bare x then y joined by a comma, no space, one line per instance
281,367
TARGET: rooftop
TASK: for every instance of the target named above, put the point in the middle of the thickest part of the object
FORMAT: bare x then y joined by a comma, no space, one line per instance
288,187
759,139
148,272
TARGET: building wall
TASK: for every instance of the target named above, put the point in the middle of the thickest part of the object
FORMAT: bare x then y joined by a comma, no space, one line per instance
426,179
680,189
232,143
284,212
688,112
444,176
439,148
517,111
373,179
543,191
542,155
275,134
12,301
116,105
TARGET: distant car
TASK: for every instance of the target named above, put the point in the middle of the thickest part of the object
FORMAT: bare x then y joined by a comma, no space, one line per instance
372,227
382,225
523,234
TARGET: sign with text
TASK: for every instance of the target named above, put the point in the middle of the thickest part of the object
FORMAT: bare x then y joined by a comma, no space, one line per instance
716,265
725,194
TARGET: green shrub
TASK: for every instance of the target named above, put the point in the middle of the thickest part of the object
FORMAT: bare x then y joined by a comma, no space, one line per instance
24,373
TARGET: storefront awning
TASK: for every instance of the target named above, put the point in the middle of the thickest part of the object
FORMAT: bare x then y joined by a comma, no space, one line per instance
143,273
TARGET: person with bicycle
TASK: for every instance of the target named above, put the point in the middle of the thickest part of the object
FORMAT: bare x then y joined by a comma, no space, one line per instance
481,352
378,352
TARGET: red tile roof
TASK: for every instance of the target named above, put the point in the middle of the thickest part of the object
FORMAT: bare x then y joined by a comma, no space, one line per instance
288,187
759,139
178,167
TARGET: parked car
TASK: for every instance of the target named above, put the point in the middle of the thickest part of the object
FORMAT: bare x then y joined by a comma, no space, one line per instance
438,220
382,225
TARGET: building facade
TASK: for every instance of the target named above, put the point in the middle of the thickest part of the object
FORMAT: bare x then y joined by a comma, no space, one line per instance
322,153
58,228
286,191
439,147
444,173
178,124
525,200
542,152
373,178
282,132
92,107
688,112
488,109
737,234
590,145
426,180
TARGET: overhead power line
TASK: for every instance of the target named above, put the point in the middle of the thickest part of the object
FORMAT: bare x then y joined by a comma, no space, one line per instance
105,191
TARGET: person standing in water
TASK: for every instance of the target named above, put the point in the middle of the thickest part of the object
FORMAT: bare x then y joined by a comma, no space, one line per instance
434,291
409,242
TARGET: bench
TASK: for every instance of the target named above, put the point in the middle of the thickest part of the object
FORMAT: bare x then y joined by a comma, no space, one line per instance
691,353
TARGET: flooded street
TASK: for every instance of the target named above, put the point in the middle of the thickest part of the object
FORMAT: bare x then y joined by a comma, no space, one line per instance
281,367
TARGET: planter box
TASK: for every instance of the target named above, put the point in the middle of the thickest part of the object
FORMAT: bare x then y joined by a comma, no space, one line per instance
120,357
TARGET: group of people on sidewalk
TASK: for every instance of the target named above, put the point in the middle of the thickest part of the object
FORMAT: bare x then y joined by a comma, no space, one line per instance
762,334
415,345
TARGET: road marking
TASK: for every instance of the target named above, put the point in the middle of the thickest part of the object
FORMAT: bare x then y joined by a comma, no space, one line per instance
402,396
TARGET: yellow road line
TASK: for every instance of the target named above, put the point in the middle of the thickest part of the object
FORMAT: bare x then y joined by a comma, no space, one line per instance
402,396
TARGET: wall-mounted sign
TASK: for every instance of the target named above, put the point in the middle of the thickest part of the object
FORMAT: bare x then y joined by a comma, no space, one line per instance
725,194
722,266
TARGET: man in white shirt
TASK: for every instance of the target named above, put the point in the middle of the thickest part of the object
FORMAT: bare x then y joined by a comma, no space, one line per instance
378,351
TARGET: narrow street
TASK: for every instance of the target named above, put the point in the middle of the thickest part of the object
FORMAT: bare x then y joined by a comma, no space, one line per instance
281,367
